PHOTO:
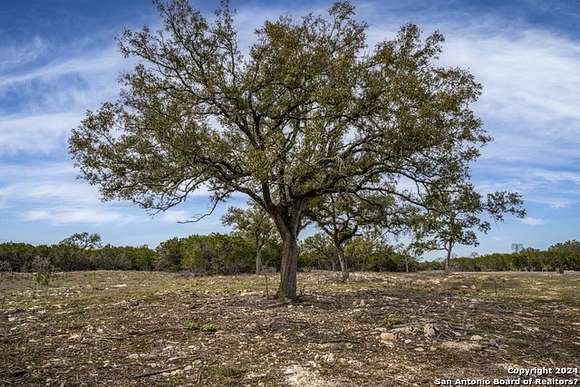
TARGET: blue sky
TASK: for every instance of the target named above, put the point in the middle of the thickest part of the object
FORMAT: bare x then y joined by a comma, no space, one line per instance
58,58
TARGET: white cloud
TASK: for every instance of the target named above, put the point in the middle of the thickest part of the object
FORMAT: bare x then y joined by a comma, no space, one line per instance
175,216
53,98
80,215
103,61
36,170
14,56
38,133
532,221
531,83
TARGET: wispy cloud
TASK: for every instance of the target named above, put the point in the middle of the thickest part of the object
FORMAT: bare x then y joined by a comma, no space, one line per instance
27,170
532,221
49,100
531,85
14,56
175,216
79,215
36,133
102,61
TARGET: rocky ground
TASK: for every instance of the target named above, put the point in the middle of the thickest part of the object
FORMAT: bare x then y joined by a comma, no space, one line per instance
379,329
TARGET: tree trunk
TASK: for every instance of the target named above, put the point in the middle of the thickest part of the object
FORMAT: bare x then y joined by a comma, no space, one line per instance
258,259
289,267
448,259
343,266
406,264
287,222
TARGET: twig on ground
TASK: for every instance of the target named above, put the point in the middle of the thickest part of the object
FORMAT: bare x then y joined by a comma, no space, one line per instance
157,372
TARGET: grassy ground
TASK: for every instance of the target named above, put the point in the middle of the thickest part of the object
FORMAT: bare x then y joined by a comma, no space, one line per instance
379,329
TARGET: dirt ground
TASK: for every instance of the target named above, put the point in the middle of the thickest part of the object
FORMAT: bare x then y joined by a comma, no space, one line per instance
378,329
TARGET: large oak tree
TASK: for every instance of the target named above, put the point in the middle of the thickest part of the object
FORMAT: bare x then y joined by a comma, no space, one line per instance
308,110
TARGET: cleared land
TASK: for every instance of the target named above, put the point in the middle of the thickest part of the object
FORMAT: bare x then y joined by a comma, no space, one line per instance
379,329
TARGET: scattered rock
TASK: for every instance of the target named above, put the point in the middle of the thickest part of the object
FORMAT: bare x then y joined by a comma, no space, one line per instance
388,337
476,338
461,345
297,375
429,330
329,358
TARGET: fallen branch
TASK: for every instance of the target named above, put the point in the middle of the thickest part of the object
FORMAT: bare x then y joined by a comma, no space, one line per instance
333,341
112,337
157,372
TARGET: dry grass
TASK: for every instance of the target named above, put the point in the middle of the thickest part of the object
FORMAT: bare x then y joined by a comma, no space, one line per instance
137,328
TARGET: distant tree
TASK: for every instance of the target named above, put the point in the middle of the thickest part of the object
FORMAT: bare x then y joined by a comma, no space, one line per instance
410,252
309,111
254,224
456,216
169,255
565,255
83,241
318,251
344,216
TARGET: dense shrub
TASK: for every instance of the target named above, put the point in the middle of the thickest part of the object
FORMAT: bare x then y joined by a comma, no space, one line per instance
214,253
64,257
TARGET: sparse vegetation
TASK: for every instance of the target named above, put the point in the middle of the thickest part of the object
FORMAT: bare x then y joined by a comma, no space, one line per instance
377,329
42,270
391,322
197,326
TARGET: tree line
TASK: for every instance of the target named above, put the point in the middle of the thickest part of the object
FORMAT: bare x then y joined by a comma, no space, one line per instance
558,257
234,254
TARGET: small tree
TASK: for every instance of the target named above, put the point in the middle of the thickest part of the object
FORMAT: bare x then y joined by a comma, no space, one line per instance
254,224
5,267
456,216
42,270
342,217
83,241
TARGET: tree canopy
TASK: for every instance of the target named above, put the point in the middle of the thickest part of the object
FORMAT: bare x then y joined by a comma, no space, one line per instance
82,240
